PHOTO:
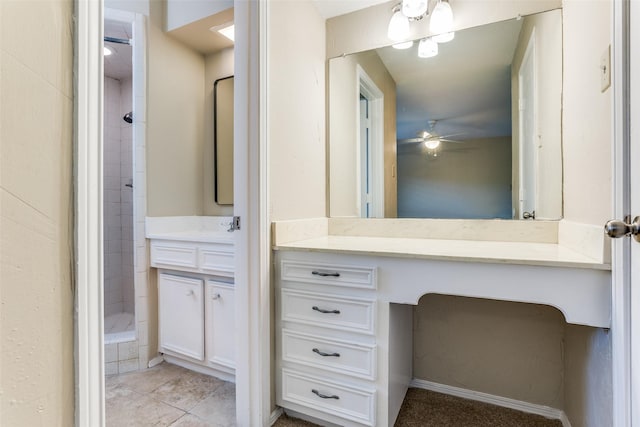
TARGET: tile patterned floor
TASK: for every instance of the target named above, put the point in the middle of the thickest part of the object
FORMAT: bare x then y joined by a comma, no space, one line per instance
168,395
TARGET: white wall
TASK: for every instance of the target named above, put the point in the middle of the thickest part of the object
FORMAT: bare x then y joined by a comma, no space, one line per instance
36,214
470,180
343,124
296,111
586,140
216,65
502,348
183,12
586,125
175,127
548,60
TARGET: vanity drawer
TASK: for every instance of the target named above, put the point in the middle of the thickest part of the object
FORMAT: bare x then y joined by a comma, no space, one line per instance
166,253
327,274
347,314
217,259
326,353
355,404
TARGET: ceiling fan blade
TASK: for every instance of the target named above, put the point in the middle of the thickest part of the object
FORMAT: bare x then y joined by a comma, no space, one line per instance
408,140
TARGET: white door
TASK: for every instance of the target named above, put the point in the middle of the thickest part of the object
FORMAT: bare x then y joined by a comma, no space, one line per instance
634,190
528,134
626,250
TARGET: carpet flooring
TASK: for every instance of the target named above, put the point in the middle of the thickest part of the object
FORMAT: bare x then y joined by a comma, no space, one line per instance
423,408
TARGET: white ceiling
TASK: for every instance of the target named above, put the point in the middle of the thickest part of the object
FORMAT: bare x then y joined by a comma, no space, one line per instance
118,65
331,8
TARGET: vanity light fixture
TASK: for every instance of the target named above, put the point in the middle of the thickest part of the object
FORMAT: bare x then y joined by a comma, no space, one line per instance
441,24
441,18
427,48
415,9
398,29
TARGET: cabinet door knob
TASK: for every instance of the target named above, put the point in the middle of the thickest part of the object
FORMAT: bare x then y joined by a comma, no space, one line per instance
215,296
189,292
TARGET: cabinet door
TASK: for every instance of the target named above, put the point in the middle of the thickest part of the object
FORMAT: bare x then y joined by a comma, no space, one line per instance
181,315
221,324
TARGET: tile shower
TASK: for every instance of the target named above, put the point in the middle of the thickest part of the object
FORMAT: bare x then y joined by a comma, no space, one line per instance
126,283
119,293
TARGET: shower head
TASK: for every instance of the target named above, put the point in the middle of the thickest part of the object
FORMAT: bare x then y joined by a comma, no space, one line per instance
128,117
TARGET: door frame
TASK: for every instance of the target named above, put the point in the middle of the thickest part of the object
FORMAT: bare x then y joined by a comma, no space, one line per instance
621,261
252,244
375,96
531,58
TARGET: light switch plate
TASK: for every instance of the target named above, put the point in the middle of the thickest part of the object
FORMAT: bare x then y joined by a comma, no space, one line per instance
605,69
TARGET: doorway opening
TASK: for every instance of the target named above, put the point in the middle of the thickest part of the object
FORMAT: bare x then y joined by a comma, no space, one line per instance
370,143
124,203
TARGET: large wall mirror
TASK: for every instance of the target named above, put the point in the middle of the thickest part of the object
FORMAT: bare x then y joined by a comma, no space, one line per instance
223,140
473,132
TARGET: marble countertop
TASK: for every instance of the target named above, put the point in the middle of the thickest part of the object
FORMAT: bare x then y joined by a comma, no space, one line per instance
525,253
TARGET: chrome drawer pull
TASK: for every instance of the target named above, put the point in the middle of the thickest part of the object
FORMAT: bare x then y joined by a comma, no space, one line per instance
324,396
321,274
322,353
321,310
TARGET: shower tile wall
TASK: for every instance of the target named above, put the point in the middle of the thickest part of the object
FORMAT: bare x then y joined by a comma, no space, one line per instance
118,198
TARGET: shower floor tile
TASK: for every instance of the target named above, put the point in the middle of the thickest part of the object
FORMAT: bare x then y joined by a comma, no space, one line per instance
119,322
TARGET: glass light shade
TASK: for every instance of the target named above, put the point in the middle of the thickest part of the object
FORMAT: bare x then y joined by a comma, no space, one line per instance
432,144
427,48
445,37
398,29
441,18
414,8
403,45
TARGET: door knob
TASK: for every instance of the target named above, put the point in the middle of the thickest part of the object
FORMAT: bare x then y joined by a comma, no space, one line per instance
616,228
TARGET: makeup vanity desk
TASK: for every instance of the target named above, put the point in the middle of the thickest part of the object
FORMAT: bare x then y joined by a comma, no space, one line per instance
344,315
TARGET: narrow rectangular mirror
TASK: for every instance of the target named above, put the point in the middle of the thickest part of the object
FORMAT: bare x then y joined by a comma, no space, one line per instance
223,139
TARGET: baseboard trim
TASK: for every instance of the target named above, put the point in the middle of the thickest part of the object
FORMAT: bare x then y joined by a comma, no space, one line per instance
505,402
564,420
275,415
156,361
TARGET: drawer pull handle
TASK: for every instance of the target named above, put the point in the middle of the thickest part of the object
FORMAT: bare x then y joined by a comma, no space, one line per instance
321,274
322,353
324,396
321,310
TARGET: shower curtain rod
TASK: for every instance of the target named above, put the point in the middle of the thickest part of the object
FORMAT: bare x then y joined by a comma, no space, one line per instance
116,40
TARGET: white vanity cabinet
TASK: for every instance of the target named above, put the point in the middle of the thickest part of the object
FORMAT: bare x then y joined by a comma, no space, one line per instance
326,340
196,304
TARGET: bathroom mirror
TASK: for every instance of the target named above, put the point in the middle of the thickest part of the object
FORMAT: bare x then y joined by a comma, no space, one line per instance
223,140
491,98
